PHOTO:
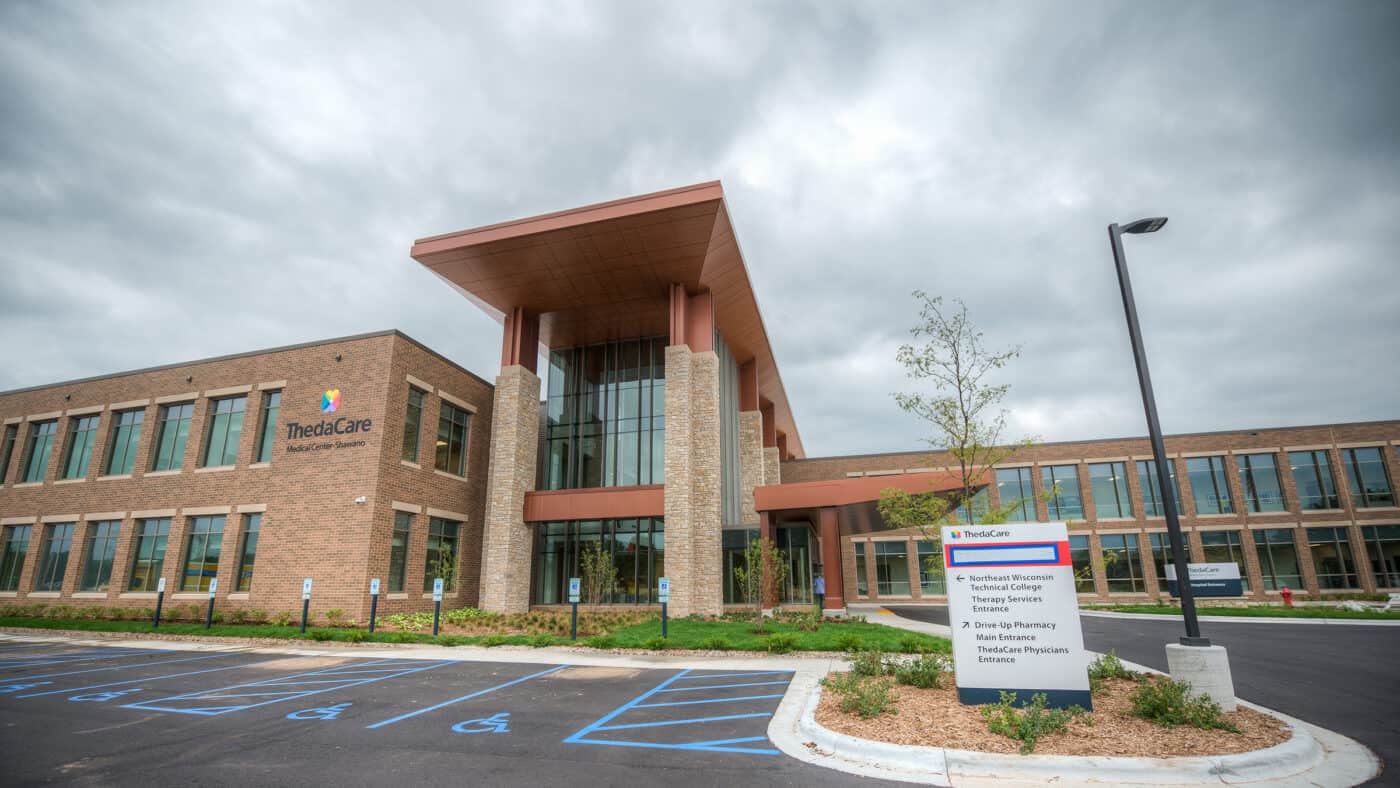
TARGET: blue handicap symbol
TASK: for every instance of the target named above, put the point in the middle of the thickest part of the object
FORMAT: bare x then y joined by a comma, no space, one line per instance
8,688
102,697
496,723
324,713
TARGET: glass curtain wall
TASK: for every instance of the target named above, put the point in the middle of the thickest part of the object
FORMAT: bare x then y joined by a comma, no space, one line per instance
637,546
606,415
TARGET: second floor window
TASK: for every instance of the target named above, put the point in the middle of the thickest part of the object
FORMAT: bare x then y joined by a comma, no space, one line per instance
412,424
1263,490
1152,489
36,454
225,428
172,434
1312,473
1209,485
1061,485
453,426
267,432
1109,481
1014,489
7,450
1370,484
126,438
84,435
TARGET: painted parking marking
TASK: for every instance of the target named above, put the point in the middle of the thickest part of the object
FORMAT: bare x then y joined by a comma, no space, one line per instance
702,677
60,658
323,713
724,686
6,689
605,723
469,696
123,667
102,697
240,697
144,680
496,723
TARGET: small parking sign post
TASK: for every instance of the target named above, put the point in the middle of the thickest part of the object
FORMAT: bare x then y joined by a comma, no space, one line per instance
573,601
213,589
160,601
437,603
305,601
373,601
663,595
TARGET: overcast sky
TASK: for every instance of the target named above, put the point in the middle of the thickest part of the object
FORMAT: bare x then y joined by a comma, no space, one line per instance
182,180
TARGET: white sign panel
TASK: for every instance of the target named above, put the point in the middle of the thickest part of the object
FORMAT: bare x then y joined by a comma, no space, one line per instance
1014,614
306,588
573,589
374,587
1221,579
663,590
160,586
437,589
213,586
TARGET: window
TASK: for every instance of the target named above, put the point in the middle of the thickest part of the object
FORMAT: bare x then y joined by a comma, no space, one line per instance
172,434
1278,558
733,542
126,437
12,553
248,553
1122,563
1081,559
1014,488
398,551
1223,547
7,450
36,454
82,434
267,428
862,588
149,558
1331,556
980,507
1061,482
1312,473
1382,547
225,428
412,424
453,428
1161,548
202,548
932,580
1263,489
891,568
1209,485
1152,504
53,557
102,548
605,415
1109,483
638,548
1370,484
442,553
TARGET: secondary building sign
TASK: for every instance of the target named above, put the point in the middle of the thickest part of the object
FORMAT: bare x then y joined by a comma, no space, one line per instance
1209,579
1014,614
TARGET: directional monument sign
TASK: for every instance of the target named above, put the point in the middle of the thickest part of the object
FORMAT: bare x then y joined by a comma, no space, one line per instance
1014,614
1209,579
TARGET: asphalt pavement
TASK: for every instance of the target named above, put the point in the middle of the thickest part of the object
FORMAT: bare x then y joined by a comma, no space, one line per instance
1343,677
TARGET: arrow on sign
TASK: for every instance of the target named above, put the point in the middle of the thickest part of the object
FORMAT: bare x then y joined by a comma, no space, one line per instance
964,626
960,578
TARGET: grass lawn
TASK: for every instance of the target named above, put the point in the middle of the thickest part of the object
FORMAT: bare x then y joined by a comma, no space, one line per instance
1261,611
684,634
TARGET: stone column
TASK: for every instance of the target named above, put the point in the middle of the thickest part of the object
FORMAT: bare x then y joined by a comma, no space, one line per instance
693,556
832,570
507,543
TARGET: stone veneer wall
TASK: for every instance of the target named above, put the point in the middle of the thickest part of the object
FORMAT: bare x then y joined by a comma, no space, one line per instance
507,544
693,560
751,463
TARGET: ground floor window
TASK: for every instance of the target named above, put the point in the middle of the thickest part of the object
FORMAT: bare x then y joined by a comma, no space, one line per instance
862,588
734,543
398,551
443,540
1081,559
1382,547
202,549
248,553
148,560
1161,547
53,558
1278,558
1331,556
932,580
891,568
102,548
1122,563
637,547
796,544
12,554
1223,547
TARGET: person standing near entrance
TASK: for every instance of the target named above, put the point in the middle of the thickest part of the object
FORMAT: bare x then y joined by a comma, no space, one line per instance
819,591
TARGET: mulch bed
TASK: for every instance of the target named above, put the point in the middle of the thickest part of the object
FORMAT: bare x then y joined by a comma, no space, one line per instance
935,718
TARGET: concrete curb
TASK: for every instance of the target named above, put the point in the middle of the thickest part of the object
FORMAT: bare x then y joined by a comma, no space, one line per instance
1360,622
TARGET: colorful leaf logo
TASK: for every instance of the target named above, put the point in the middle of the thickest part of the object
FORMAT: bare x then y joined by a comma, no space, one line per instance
330,403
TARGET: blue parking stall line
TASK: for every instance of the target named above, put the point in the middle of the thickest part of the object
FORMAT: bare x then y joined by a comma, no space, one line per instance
43,660
707,700
717,742
724,686
577,738
469,696
700,677
386,671
123,667
664,723
137,681
693,747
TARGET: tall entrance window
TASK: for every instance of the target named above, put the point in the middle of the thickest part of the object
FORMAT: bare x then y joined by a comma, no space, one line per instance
734,543
862,586
891,568
398,551
605,416
637,547
796,544
443,538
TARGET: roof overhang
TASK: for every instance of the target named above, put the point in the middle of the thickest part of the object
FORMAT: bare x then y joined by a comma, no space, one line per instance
863,489
603,272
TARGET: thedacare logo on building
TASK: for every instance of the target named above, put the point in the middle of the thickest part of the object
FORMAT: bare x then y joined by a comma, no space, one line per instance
330,402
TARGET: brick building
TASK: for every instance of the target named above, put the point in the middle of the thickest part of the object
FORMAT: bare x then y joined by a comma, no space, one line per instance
659,429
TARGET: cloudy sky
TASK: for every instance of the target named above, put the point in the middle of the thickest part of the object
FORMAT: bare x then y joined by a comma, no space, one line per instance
181,180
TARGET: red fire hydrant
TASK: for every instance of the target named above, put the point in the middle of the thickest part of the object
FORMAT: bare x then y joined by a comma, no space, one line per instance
1287,595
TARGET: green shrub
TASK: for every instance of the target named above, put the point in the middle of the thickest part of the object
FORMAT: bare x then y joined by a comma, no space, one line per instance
542,640
491,641
913,644
782,642
869,663
864,696
321,635
1169,702
1029,723
600,641
926,672
715,644
257,615
451,640
404,637
356,636
657,643
1109,666
847,641
237,615
335,616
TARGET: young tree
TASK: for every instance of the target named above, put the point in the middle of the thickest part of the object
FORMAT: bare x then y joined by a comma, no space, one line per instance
596,573
444,565
963,416
750,577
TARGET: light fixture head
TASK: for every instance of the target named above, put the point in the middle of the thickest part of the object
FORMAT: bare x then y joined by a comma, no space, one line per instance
1150,225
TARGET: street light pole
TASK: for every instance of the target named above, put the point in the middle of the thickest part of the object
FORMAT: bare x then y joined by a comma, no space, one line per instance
1154,429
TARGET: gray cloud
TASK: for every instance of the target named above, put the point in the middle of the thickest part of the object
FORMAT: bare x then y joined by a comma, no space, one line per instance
183,181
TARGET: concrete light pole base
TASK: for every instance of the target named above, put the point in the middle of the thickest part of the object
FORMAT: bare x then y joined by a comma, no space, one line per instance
1206,669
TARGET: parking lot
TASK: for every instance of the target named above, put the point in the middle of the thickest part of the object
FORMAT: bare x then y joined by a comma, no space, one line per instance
109,715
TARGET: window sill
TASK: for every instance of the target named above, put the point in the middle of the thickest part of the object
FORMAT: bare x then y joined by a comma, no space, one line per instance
69,481
399,595
454,476
8,594
90,595
1215,516
137,595
109,478
44,594
1361,509
190,595
214,468
238,595
1116,520
412,465
1321,511
260,465
27,484
171,472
